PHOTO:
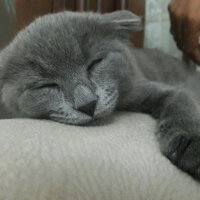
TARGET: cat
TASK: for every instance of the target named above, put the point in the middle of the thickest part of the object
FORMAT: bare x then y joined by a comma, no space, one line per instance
75,68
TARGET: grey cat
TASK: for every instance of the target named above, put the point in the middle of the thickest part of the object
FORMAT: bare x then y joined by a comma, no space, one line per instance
78,67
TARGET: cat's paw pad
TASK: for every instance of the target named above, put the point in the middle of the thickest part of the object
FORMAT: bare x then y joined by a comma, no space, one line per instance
184,152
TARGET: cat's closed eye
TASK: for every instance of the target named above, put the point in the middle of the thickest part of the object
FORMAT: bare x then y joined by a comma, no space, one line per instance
94,63
47,85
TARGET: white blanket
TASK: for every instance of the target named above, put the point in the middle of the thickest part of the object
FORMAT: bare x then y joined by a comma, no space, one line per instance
120,160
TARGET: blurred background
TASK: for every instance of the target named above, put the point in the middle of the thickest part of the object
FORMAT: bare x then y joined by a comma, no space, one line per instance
16,14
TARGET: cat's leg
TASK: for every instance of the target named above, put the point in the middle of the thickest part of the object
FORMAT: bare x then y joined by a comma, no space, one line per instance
178,122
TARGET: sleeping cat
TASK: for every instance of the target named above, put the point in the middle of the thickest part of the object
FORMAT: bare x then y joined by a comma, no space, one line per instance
78,67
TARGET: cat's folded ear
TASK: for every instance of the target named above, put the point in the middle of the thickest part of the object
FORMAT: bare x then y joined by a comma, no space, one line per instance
123,21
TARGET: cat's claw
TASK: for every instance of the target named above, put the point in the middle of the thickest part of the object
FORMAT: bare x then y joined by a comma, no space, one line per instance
184,152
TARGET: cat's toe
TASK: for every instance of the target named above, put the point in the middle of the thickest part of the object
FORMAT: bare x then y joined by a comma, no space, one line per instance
176,147
184,151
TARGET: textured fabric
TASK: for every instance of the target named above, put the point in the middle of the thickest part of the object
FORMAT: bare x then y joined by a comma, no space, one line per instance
119,160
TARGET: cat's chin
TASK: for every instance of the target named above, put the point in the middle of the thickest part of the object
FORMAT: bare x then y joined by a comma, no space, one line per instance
101,118
82,120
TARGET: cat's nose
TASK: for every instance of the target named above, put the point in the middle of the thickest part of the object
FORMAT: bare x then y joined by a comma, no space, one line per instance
88,108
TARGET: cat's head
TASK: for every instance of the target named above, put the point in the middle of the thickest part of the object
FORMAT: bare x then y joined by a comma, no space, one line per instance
68,67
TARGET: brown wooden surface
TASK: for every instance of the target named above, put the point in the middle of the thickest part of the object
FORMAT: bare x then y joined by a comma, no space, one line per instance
137,7
92,5
107,5
58,5
118,5
70,5
28,10
79,5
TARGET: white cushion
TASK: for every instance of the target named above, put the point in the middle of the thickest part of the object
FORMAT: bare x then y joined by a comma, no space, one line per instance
119,160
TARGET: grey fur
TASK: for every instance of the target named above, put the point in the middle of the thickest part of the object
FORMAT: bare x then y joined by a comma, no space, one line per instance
44,74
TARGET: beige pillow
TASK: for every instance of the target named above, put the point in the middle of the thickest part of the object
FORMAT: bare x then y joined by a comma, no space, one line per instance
119,160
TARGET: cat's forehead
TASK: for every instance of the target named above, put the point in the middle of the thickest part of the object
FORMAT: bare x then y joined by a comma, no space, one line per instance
66,37
70,37
67,27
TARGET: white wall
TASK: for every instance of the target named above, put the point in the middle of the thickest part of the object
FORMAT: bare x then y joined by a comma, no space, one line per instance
157,34
6,22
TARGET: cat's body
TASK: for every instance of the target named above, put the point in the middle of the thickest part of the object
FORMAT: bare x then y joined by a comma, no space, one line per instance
78,67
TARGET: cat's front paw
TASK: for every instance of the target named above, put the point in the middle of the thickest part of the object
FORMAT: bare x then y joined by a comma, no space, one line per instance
183,150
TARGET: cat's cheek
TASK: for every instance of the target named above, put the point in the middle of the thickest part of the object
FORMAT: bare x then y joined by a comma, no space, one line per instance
36,103
106,103
9,97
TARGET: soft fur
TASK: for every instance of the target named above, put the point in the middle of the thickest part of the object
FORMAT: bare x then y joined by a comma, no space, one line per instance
62,63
